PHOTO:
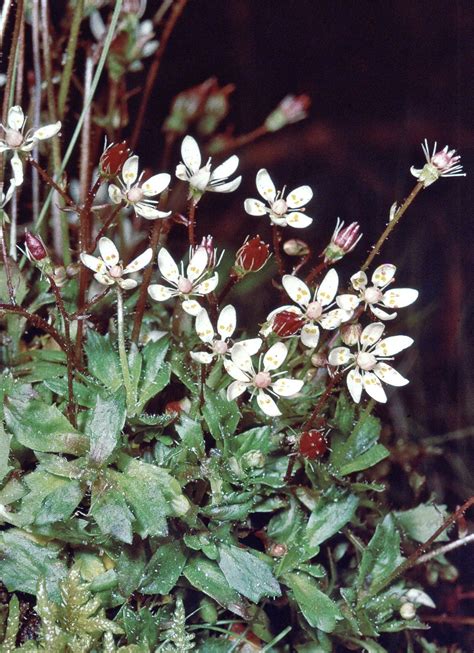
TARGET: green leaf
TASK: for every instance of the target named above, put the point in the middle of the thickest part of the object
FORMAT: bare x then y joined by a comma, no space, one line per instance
17,280
130,568
83,395
183,372
247,574
354,454
60,504
222,416
330,515
43,428
317,608
146,502
11,631
344,415
206,577
104,426
112,515
191,436
164,568
256,439
421,522
368,459
157,371
23,562
103,361
381,556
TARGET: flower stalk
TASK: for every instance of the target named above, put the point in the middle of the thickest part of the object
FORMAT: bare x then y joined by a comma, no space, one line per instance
127,382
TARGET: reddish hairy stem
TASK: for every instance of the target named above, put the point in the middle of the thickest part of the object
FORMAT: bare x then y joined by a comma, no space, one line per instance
104,228
191,223
95,300
276,247
233,279
245,139
37,322
44,175
315,271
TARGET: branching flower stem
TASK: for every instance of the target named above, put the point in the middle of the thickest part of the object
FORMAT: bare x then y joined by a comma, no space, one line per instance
50,181
276,232
123,352
37,322
315,272
192,223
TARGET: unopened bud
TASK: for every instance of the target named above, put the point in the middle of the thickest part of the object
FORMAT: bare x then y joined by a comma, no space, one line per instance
73,270
342,242
35,248
313,444
215,109
60,276
254,459
408,611
113,158
350,333
187,106
287,323
319,360
296,247
277,550
292,108
252,256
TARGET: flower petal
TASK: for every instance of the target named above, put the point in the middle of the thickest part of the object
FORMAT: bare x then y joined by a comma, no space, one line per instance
207,286
191,307
267,405
359,280
328,288
140,262
203,357
115,194
48,131
287,387
104,279
160,293
382,315
333,319
203,326
167,266
17,169
229,187
265,185
383,275
190,154
252,345
227,322
275,356
156,184
399,297
371,334
226,169
197,264
340,356
354,385
310,335
181,172
108,252
373,387
235,372
127,284
254,207
392,345
235,389
149,212
16,118
348,302
296,289
299,197
93,263
130,171
389,375
241,358
298,220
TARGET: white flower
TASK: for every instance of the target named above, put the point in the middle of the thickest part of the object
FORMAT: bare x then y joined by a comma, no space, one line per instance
136,194
312,311
263,382
202,179
282,211
220,346
15,141
374,296
184,285
108,268
369,363
6,197
444,163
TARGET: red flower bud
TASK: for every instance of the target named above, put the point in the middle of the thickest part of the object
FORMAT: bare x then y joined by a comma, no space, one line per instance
35,248
113,158
287,323
313,444
342,241
252,256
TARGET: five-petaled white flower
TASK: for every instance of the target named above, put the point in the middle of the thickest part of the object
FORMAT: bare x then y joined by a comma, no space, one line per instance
16,141
444,163
374,296
220,346
311,311
109,269
136,194
369,363
263,382
282,211
202,179
193,283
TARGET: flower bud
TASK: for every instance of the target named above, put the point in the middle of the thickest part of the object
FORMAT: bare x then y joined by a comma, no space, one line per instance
215,109
342,242
295,247
253,459
276,550
319,360
350,333
35,249
187,106
113,158
60,276
292,108
287,323
407,611
313,444
252,256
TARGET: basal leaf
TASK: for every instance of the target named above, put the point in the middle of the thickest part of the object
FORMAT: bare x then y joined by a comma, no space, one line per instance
247,574
103,361
206,577
381,556
222,416
318,609
163,569
330,515
421,522
112,515
104,426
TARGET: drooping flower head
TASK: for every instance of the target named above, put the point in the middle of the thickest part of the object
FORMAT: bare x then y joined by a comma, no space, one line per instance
136,193
202,179
444,163
263,382
108,267
15,141
219,344
374,297
368,363
282,211
196,282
